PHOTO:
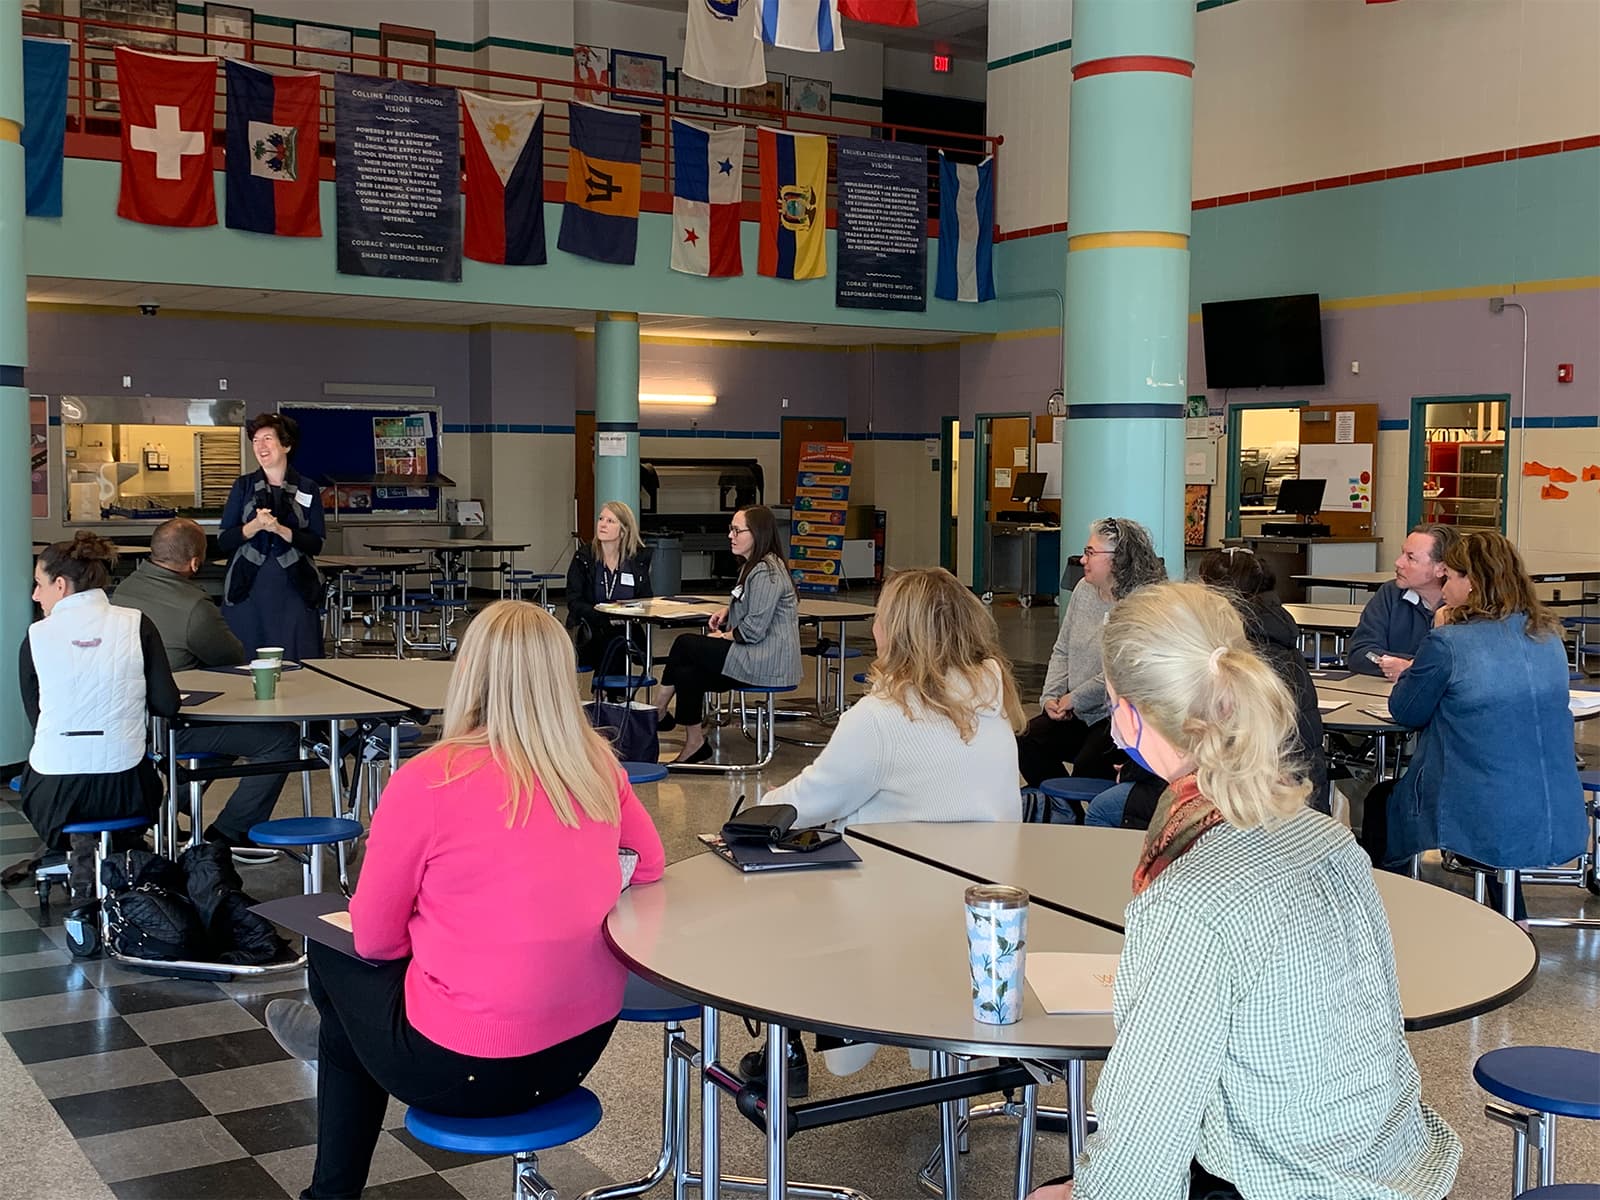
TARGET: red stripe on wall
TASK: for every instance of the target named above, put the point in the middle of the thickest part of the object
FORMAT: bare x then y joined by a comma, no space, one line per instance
1132,62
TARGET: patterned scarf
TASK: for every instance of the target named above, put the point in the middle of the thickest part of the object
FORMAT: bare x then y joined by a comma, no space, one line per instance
1182,816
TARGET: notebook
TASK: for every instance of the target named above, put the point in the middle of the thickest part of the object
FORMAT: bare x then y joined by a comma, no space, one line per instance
1072,983
748,856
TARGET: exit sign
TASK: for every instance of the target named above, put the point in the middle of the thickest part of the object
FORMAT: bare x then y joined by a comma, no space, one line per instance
941,64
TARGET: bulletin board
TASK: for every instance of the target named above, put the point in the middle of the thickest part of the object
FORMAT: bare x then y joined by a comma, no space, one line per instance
1338,442
352,441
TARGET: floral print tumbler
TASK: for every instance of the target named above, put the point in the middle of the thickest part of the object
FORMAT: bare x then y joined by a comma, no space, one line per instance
997,949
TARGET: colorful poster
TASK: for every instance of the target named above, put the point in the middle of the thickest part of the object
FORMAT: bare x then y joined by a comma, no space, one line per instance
816,531
400,445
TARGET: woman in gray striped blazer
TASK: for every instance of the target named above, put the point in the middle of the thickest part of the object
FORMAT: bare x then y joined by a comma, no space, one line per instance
754,640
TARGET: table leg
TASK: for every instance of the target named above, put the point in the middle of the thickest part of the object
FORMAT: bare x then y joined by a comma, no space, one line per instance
1027,1127
949,1130
710,1104
1077,1108
167,829
336,782
777,1113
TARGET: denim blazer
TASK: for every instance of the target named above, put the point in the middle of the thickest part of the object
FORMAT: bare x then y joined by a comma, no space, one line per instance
1494,776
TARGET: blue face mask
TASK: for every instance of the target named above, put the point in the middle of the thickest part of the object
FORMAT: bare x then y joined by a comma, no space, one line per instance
1133,750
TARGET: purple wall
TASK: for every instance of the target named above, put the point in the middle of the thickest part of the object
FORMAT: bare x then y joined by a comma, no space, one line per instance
1010,375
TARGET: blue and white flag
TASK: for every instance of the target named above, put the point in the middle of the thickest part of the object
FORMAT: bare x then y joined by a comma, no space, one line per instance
44,122
800,24
721,45
966,230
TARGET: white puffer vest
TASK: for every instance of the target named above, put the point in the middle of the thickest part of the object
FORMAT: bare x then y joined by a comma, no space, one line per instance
91,687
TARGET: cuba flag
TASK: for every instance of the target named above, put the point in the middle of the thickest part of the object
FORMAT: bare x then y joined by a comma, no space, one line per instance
966,230
505,180
707,177
794,180
274,152
601,217
44,122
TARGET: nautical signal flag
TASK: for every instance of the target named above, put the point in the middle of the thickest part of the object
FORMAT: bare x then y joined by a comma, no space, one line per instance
794,180
167,103
274,152
801,24
505,179
966,230
721,45
44,122
707,179
880,12
601,217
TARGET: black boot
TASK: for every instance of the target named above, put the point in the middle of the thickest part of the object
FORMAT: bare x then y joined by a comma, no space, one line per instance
753,1068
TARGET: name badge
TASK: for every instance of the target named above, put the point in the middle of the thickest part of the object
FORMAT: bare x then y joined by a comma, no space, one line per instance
303,499
627,580
738,592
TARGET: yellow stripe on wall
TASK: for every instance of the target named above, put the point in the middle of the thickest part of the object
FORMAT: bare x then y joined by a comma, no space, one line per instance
1577,283
10,131
1125,239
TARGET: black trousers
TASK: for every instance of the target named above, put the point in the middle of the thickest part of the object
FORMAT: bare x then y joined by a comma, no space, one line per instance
1047,746
694,667
368,1051
256,796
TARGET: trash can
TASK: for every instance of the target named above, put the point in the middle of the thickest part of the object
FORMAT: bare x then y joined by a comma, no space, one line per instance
666,565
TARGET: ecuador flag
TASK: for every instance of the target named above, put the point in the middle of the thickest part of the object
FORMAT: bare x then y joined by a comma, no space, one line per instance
794,181
601,217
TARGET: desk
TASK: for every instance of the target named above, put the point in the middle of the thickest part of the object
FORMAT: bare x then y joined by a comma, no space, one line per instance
1455,959
669,614
417,683
450,552
1542,567
1289,557
1340,620
342,566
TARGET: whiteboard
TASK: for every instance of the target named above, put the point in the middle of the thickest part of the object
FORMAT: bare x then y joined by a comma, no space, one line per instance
1047,458
1348,470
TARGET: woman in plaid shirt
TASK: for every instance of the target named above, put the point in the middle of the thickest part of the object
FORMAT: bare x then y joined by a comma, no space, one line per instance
1260,1051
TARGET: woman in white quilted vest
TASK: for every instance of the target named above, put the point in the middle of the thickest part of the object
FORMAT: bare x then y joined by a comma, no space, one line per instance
90,674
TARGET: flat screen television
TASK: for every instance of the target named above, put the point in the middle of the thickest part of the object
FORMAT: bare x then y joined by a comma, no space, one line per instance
1273,341
1028,485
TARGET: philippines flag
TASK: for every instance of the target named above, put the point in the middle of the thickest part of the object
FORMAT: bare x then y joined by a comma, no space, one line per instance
966,230
800,24
167,104
706,186
880,12
505,180
274,152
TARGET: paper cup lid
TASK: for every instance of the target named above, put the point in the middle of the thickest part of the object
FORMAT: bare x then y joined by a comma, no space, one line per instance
262,664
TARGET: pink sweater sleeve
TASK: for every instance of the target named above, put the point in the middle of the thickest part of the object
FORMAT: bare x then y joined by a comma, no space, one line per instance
391,872
638,832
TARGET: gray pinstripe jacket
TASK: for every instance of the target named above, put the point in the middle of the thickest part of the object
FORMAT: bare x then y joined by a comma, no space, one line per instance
764,616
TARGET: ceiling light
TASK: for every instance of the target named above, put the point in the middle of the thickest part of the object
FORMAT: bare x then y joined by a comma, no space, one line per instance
678,399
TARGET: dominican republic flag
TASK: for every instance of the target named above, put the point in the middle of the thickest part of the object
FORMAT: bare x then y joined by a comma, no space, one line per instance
274,152
167,103
721,46
800,24
707,166
794,181
966,230
601,216
44,122
880,12
505,180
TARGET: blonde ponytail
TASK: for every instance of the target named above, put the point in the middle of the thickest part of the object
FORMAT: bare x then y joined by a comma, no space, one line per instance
1178,653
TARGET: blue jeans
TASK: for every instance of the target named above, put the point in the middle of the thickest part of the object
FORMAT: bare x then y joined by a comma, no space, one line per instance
1105,810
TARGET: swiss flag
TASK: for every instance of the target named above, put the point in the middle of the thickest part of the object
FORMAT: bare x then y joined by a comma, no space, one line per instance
167,104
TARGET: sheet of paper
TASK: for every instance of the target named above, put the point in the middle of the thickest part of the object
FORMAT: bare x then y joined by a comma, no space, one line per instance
1381,711
1072,983
1329,706
1019,457
611,445
1582,704
1344,428
340,920
1002,477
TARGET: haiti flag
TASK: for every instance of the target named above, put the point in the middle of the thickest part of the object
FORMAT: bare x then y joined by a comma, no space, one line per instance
601,217
505,180
794,181
274,154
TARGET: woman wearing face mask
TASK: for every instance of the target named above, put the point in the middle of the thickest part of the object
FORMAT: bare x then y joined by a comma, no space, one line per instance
612,569
1259,1047
272,531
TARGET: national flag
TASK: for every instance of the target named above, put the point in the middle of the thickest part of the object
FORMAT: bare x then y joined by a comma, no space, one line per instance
44,122
794,181
601,217
721,45
801,24
880,12
707,181
966,230
505,179
274,151
167,103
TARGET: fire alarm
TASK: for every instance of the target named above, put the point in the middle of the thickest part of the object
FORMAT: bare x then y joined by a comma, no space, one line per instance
1563,372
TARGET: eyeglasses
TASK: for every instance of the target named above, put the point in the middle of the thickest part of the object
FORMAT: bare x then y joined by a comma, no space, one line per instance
1090,552
738,529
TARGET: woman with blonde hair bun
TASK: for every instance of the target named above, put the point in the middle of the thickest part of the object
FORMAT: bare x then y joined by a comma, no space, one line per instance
492,863
1267,1055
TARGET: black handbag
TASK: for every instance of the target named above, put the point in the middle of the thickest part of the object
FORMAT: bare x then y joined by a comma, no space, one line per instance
628,724
765,824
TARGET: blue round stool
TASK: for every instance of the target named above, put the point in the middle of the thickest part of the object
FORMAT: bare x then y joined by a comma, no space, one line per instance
623,683
521,1135
1564,1191
310,832
1073,792
645,772
860,677
1548,1082
85,935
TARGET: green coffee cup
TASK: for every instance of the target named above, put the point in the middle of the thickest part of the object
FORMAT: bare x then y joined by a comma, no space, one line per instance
273,652
264,674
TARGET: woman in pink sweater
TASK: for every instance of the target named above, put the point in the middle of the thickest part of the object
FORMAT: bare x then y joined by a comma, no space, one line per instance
490,867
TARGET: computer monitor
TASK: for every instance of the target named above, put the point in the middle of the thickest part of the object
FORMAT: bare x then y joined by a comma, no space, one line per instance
1028,485
1301,496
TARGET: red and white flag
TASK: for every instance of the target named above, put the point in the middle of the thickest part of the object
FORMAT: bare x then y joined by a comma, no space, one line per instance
880,12
167,106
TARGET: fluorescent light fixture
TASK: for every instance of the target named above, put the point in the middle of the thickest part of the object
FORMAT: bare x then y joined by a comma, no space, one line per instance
678,399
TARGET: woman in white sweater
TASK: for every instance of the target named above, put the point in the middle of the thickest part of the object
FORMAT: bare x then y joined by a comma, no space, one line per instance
935,740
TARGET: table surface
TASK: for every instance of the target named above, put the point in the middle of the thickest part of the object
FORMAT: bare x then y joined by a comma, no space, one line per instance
1542,567
457,544
418,683
385,562
1455,959
1353,717
1340,618
876,949
303,695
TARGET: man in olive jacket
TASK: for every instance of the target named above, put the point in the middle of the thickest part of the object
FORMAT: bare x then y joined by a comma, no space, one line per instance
195,635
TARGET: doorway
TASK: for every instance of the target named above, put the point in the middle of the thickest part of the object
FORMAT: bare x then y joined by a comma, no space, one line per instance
1003,445
949,493
797,431
1263,451
1458,461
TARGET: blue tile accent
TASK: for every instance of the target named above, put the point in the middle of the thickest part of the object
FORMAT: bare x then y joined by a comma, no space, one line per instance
1113,412
1573,422
10,376
1394,423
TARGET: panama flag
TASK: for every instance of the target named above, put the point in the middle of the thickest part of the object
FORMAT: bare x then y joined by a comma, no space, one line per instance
706,186
167,103
505,180
800,24
966,230
274,154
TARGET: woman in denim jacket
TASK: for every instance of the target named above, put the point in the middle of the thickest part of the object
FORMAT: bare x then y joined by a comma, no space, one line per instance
1494,777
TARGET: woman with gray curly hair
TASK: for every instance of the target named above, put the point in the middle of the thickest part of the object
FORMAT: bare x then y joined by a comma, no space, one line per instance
1119,559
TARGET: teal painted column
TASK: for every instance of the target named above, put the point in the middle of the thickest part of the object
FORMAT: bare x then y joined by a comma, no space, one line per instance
616,410
1127,310
16,492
